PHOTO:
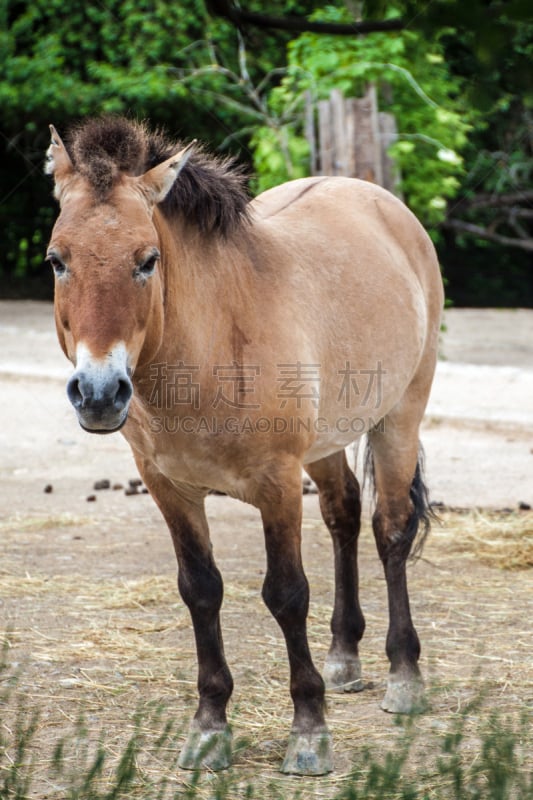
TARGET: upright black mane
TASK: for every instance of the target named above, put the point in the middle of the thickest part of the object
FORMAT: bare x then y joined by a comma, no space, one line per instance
210,192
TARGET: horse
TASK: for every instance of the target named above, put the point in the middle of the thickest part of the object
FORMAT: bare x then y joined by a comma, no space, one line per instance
236,342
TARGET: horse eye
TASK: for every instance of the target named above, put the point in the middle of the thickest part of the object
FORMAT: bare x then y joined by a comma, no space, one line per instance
147,268
57,265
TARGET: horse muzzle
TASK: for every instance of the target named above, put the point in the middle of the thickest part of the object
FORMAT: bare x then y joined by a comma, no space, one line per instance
100,391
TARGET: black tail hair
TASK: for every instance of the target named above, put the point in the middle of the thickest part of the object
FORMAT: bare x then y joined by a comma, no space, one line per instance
420,521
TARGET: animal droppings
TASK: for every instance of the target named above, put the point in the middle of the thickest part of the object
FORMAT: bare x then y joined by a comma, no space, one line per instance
134,482
48,489
117,487
103,484
91,498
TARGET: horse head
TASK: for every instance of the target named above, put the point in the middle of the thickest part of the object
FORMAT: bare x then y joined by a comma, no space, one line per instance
105,252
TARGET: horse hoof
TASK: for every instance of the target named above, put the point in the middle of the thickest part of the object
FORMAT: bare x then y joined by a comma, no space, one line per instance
206,749
308,754
404,696
343,676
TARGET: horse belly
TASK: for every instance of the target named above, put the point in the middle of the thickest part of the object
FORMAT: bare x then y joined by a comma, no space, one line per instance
366,374
342,422
328,443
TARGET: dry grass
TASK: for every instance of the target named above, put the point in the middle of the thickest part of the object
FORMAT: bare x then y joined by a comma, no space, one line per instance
109,647
20,523
500,539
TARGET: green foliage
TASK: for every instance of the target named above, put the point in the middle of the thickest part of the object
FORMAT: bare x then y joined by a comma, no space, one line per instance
87,59
82,768
280,154
16,762
458,80
478,755
62,61
496,190
413,82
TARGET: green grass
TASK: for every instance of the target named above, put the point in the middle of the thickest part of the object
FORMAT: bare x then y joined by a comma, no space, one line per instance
82,766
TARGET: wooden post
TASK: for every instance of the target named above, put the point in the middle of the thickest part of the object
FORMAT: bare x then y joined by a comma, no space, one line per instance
364,142
336,101
324,138
350,123
353,138
374,129
310,132
389,134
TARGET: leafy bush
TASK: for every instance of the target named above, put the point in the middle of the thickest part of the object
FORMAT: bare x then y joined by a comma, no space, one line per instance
413,83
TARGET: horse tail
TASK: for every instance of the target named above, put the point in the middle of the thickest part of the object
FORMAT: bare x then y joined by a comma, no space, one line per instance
423,515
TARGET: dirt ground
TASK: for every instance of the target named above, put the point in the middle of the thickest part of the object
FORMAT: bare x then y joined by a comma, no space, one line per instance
87,589
478,433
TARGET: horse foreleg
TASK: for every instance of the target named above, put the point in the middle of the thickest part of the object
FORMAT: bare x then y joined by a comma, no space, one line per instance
200,584
286,594
340,505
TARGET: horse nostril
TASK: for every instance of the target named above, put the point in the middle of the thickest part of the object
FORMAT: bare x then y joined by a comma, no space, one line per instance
97,395
124,393
74,393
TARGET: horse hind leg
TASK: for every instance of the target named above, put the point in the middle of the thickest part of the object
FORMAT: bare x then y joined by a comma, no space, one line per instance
400,508
340,504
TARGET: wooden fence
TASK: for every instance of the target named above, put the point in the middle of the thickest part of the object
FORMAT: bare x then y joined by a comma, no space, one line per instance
351,137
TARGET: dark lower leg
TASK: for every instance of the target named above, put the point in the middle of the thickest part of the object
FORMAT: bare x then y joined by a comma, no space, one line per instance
403,645
209,741
395,523
286,594
394,544
347,621
340,505
200,585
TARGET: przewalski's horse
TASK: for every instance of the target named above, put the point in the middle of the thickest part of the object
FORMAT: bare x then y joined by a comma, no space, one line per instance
234,343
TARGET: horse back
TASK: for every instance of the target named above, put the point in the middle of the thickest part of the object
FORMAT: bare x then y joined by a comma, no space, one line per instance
352,246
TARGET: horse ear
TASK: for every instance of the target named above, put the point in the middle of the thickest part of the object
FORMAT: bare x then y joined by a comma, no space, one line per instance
58,162
158,181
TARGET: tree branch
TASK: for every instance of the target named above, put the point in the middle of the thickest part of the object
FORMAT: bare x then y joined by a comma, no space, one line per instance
487,200
492,236
241,17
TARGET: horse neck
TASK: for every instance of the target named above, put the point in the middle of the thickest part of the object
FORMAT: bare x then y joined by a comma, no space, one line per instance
208,281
